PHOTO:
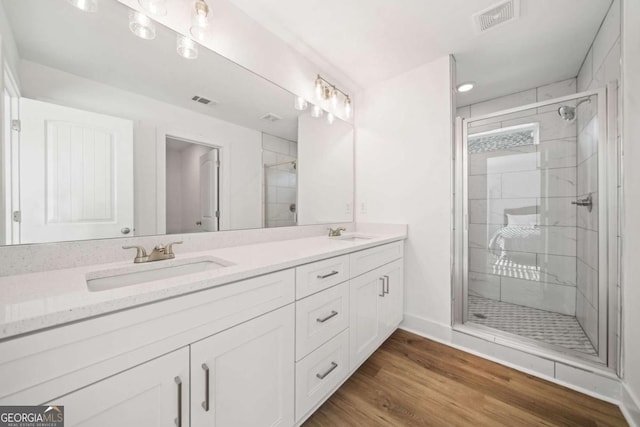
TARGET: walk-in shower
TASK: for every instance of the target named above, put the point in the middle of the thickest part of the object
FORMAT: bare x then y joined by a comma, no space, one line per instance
280,207
532,226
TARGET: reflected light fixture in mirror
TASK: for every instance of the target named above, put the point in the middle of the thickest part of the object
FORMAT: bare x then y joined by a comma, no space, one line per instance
330,118
141,25
85,5
465,87
347,107
316,112
154,7
186,47
300,103
200,21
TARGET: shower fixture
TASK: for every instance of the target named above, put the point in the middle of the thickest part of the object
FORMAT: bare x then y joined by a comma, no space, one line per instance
568,113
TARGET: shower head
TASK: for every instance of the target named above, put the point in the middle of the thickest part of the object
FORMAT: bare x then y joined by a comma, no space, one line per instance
568,113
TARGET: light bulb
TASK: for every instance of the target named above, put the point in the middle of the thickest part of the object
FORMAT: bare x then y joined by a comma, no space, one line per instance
186,47
334,97
316,112
200,21
154,7
85,5
465,87
300,103
319,88
347,107
330,118
141,25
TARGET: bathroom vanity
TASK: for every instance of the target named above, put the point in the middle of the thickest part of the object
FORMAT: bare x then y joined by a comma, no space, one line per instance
264,339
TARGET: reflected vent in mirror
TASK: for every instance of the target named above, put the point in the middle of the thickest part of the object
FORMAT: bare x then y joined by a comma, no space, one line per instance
496,15
271,117
203,100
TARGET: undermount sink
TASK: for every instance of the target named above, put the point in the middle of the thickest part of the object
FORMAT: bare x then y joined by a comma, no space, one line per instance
158,270
353,237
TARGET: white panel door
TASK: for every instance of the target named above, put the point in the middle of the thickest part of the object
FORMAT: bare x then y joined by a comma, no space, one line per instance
249,370
209,187
76,174
366,315
153,394
393,301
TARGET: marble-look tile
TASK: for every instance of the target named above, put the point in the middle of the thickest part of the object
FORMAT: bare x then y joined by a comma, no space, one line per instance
485,186
285,195
483,126
559,182
551,126
587,176
588,140
484,285
504,103
495,211
522,158
587,317
557,269
269,157
588,282
520,265
478,211
559,153
587,249
555,90
273,143
293,148
608,33
557,211
545,296
277,177
586,219
611,66
464,112
586,72
543,239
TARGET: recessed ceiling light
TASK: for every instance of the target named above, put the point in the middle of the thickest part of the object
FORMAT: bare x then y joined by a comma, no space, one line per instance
85,5
465,87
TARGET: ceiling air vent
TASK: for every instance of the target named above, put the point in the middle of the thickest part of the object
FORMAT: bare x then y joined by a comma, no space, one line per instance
496,15
271,117
203,100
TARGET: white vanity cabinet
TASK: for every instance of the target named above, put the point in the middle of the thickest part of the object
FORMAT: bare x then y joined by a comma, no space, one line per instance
245,376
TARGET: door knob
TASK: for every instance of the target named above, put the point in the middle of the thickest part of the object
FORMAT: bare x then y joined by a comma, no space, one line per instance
125,230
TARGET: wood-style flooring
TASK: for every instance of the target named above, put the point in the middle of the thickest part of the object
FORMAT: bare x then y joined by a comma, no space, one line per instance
412,381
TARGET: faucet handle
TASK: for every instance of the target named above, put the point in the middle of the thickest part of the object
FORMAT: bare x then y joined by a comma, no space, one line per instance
141,252
168,249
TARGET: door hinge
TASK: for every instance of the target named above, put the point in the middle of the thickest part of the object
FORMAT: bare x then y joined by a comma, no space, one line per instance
17,216
217,214
16,125
217,163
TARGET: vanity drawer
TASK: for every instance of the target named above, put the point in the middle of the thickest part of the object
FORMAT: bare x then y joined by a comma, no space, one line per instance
314,277
370,259
320,317
320,372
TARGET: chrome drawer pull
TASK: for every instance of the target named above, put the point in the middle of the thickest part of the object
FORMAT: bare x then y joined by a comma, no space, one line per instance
382,280
386,281
334,365
333,273
324,319
205,404
178,420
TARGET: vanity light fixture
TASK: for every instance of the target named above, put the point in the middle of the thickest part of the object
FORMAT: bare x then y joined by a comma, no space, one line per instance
330,118
326,91
186,47
141,25
300,103
200,21
85,5
154,7
465,87
316,112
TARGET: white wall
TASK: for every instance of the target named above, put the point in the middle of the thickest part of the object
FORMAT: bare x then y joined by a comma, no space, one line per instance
631,230
174,191
325,177
403,171
8,46
240,147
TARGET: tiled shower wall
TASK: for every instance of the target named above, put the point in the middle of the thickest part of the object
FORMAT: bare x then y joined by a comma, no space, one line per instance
533,264
601,66
280,187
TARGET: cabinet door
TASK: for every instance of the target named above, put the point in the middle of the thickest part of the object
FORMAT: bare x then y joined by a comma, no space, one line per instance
244,376
393,301
365,325
155,393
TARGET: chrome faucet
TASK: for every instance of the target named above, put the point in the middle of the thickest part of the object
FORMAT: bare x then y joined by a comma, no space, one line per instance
337,232
158,253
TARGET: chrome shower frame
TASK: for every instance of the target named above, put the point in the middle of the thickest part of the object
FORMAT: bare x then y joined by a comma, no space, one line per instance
608,357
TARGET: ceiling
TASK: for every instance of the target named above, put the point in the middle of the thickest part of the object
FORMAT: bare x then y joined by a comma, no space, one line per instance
100,47
373,40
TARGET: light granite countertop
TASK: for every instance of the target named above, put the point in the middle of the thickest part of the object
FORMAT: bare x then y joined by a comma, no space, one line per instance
34,301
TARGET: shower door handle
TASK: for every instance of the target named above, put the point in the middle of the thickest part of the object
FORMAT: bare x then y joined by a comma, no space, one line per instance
587,201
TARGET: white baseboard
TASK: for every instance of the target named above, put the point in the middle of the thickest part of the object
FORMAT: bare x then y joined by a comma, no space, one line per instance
630,406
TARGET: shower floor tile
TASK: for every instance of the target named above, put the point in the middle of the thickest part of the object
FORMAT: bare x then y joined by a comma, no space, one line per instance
546,326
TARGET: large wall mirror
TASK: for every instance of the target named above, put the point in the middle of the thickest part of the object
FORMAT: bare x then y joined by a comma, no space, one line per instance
120,136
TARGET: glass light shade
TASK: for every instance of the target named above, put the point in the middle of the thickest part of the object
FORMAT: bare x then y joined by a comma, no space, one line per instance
154,7
330,118
347,107
85,5
334,97
319,88
187,48
300,103
316,112
199,33
141,25
200,21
